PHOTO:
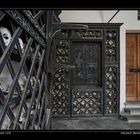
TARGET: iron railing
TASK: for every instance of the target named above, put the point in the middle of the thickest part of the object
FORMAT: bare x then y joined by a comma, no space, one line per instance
24,93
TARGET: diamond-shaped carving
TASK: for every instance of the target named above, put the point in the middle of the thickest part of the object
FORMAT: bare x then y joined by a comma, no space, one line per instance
86,102
111,93
62,52
60,93
111,46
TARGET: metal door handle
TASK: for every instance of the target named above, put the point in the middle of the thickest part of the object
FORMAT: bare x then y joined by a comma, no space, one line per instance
138,69
134,70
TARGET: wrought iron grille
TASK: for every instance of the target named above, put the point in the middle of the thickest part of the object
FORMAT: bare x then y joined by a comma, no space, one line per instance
86,103
111,90
24,100
60,93
91,59
111,71
62,52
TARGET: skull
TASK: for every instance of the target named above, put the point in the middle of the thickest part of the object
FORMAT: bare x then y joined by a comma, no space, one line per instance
6,35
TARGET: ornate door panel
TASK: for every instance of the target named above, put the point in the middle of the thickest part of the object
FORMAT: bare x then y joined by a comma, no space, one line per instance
86,60
85,57
86,72
61,80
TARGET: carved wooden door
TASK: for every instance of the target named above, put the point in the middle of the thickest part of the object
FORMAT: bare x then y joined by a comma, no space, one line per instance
132,67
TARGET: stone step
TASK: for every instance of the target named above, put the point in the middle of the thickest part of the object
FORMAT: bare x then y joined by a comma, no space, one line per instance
133,118
128,105
48,119
135,111
132,111
133,121
137,117
130,118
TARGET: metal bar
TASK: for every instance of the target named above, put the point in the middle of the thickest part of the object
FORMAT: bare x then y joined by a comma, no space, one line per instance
33,22
43,120
15,80
28,27
46,123
41,12
22,65
9,112
12,72
38,99
10,67
20,53
44,113
47,91
45,19
41,110
47,119
34,91
26,87
114,15
43,28
18,87
9,49
41,22
48,37
118,70
2,14
138,14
